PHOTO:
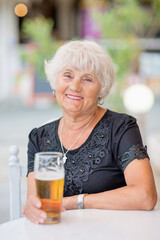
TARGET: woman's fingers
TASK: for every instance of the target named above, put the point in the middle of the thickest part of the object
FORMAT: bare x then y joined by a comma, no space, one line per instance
37,216
35,201
32,210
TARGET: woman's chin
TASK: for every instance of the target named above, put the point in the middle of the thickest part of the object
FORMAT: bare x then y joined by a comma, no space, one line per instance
72,108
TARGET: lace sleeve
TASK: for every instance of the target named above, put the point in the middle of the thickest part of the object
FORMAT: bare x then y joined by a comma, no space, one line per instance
134,152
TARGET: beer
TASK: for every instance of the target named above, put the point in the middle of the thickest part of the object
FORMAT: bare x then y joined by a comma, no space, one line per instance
49,177
50,192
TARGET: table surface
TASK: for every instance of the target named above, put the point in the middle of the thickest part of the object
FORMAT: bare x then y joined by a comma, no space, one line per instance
90,224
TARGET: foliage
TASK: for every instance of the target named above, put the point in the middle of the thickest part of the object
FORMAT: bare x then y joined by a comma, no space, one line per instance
122,24
42,45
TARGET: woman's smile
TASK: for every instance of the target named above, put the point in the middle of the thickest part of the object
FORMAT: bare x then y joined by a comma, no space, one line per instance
74,97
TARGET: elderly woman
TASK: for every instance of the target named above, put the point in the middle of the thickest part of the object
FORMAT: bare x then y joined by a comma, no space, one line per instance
103,150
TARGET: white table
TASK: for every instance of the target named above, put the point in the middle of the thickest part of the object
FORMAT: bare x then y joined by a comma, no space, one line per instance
88,225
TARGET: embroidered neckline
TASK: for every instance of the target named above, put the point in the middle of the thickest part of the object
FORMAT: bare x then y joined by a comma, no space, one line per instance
89,137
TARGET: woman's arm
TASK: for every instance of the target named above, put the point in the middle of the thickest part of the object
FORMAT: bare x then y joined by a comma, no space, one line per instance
32,207
139,194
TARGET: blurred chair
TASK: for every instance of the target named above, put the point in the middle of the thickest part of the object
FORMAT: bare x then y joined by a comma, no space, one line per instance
16,172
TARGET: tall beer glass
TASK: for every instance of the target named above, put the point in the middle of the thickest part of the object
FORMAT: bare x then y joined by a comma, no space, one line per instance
49,177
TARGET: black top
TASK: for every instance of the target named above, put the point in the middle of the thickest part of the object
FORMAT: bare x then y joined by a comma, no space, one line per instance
98,164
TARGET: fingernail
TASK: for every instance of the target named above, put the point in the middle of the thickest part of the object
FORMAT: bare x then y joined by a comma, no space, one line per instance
41,220
38,204
43,215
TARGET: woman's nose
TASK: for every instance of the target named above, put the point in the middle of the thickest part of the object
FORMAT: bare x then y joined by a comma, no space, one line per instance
75,85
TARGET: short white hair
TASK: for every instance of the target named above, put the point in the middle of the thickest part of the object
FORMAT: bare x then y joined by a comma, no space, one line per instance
83,55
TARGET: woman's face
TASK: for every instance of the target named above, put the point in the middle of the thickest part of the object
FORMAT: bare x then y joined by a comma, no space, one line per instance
77,91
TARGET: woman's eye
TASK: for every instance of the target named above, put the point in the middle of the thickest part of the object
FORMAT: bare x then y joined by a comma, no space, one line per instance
67,75
88,80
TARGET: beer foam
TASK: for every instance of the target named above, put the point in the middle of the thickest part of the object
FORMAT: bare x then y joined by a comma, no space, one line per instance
49,176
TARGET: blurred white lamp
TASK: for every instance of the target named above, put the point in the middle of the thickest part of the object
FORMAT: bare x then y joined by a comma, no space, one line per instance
138,99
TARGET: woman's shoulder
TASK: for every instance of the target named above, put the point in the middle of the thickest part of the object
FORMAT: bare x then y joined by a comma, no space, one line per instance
119,118
118,122
49,124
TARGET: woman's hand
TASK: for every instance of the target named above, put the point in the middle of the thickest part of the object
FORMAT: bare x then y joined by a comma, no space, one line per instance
32,207
32,210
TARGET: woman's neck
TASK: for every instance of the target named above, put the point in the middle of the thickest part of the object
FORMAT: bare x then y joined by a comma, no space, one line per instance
76,121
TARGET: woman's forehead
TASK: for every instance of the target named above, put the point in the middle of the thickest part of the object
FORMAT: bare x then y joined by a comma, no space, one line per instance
73,69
